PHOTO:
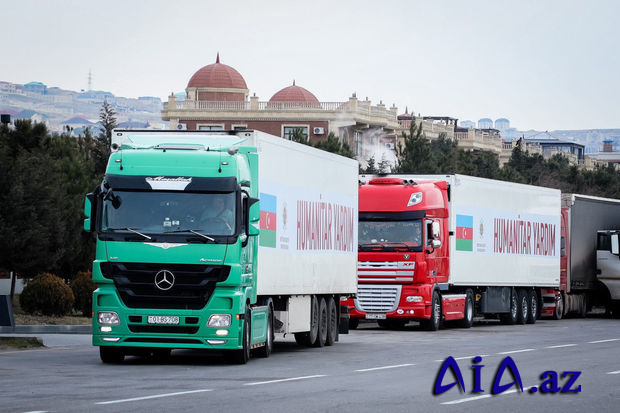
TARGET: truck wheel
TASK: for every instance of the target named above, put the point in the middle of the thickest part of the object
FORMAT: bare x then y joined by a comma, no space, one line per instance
615,309
314,321
242,355
468,320
510,318
532,299
583,307
111,355
522,302
321,337
265,351
558,311
354,323
332,322
435,320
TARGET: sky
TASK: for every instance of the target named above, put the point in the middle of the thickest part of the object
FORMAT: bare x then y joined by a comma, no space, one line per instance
544,65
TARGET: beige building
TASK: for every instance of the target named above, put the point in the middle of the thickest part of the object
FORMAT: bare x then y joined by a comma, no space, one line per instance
218,98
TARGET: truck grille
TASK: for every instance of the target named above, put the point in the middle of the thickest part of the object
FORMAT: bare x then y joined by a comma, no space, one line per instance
380,271
192,288
377,298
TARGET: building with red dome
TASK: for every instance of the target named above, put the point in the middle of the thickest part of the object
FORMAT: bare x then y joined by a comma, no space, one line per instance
218,98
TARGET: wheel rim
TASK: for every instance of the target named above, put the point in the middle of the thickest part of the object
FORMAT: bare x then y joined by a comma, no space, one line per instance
323,326
470,311
534,306
436,311
514,309
524,307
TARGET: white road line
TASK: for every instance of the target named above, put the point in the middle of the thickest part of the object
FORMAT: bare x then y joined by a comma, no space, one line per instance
562,345
486,396
614,372
385,367
37,411
517,351
281,380
603,341
155,396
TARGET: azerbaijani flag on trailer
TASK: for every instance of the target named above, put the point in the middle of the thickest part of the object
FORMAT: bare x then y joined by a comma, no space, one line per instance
464,233
268,204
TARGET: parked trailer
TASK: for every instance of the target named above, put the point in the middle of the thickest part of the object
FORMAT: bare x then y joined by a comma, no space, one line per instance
450,247
217,240
582,218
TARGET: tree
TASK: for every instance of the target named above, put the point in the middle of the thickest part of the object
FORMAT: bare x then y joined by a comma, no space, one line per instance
370,169
332,144
107,117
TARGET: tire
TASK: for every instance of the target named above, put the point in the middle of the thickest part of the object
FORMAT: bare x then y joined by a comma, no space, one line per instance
468,320
533,310
583,308
354,323
265,351
615,309
332,322
511,317
242,356
435,320
523,306
321,337
558,311
111,355
314,321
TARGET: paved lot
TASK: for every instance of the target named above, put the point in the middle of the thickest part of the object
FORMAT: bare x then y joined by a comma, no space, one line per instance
369,370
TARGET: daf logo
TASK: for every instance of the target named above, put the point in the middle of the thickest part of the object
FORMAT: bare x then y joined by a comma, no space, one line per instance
164,280
406,256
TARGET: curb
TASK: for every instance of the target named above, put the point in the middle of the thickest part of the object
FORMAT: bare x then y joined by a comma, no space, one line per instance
48,329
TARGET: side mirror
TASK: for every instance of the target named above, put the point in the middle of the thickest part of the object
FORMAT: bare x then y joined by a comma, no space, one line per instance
87,210
254,217
436,243
614,244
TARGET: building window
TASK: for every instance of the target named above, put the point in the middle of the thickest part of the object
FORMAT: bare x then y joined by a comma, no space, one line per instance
210,127
239,127
290,132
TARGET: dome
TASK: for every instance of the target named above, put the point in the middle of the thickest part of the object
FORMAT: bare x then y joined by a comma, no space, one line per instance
217,75
405,116
294,93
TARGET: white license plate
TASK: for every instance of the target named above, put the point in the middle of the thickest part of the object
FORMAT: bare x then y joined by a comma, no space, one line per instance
163,319
375,316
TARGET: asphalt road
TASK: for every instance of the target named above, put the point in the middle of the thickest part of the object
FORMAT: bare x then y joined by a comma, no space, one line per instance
370,370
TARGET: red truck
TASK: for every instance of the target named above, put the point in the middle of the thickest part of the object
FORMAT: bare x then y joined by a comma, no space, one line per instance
450,247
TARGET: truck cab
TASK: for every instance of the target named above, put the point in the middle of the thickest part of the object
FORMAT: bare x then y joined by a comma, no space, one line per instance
608,269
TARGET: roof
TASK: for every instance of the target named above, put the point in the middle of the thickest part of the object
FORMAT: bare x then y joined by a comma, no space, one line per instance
406,115
34,84
217,75
77,120
294,93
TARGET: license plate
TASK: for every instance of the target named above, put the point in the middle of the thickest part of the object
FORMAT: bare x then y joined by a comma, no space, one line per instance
163,319
375,316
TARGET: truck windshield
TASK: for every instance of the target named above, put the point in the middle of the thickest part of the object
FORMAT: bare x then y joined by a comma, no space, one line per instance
391,233
167,212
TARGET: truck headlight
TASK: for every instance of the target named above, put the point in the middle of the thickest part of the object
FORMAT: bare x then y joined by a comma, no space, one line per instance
108,318
414,299
219,320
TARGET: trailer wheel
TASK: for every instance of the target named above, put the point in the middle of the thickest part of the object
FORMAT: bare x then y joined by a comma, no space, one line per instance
468,320
242,355
332,322
435,320
354,323
532,299
321,337
523,306
510,318
558,311
111,355
314,321
266,350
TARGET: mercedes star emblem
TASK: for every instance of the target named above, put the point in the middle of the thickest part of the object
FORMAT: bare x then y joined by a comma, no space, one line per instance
164,280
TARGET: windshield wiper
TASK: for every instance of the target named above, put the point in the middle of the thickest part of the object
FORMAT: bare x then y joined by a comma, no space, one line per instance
193,232
132,230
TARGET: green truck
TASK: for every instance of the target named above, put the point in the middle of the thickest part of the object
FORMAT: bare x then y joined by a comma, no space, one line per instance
220,240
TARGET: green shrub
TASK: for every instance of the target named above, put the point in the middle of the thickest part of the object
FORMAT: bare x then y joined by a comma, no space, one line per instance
47,294
83,287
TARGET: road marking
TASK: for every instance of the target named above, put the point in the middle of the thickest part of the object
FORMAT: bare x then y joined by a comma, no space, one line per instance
37,411
517,351
155,396
614,372
562,345
35,350
466,357
468,399
385,367
281,380
603,341
486,396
